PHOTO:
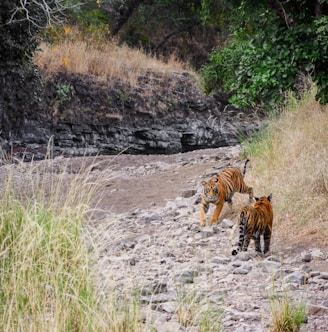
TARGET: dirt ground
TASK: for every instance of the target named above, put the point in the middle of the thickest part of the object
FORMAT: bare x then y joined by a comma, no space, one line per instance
130,182
144,181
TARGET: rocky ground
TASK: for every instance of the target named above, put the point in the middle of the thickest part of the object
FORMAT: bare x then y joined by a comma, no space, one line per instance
145,228
151,241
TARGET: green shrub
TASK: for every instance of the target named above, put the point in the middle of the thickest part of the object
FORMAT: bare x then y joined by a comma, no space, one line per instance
259,66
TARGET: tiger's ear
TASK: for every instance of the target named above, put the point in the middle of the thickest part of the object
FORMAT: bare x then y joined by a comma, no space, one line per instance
256,198
203,183
270,197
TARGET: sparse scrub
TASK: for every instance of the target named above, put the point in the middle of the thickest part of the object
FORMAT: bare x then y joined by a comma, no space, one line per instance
193,310
290,159
286,315
124,311
188,306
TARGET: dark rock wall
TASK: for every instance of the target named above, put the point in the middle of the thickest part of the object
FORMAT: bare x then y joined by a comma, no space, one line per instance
160,114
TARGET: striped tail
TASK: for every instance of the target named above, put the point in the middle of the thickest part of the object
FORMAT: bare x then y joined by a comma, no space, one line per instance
244,172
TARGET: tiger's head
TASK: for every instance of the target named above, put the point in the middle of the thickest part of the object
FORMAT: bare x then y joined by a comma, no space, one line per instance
211,190
263,201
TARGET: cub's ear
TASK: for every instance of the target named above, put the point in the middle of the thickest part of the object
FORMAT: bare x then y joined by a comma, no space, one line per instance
270,197
256,198
203,183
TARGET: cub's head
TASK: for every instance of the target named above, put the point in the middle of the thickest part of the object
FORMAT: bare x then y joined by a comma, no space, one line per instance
211,190
263,201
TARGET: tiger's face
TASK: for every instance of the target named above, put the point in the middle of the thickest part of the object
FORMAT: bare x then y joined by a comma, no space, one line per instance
211,190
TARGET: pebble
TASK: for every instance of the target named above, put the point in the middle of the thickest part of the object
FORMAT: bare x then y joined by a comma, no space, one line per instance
306,257
297,276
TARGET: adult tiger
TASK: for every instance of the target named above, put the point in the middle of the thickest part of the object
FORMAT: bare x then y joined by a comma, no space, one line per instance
255,221
221,188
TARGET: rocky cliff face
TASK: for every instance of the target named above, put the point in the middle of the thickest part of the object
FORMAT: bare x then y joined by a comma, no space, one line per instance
162,114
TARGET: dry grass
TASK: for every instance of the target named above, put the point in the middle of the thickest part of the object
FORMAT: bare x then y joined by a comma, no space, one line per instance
46,282
48,254
193,310
102,60
290,159
286,315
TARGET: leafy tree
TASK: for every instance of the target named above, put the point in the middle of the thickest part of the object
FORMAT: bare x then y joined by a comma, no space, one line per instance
272,44
20,23
189,29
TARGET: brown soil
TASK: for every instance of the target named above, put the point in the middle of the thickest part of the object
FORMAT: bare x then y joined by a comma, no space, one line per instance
150,181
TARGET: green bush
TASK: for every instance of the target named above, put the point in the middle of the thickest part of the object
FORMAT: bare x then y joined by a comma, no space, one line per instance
257,67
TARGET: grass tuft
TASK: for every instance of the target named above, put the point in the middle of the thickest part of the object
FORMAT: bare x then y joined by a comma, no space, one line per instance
287,316
194,310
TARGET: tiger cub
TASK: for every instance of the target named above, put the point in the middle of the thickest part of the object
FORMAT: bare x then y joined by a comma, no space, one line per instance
221,188
255,221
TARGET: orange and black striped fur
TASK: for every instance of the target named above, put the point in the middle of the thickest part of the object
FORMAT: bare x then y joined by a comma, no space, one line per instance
255,221
221,188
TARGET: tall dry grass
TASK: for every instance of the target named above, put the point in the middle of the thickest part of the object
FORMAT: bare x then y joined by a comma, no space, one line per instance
290,159
102,60
45,278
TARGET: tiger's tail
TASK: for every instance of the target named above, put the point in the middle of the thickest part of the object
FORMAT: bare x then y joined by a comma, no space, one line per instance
244,171
243,219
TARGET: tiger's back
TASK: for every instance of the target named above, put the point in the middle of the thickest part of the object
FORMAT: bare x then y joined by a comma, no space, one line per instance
232,180
254,222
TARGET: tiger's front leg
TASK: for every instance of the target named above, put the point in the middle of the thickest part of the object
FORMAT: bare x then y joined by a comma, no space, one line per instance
216,213
203,210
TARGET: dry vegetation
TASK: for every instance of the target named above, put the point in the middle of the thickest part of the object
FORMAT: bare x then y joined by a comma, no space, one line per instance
102,59
45,273
290,160
287,316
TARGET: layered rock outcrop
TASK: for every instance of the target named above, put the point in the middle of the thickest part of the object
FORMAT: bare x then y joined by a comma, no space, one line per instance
160,114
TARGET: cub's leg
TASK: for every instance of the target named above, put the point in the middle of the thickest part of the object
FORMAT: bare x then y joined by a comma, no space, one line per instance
229,199
267,238
257,239
217,212
203,210
247,190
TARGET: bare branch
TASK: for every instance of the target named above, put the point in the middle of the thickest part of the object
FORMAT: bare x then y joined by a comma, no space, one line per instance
39,13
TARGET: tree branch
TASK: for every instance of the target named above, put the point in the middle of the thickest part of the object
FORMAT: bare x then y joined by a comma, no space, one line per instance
318,9
277,7
125,15
174,33
29,11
